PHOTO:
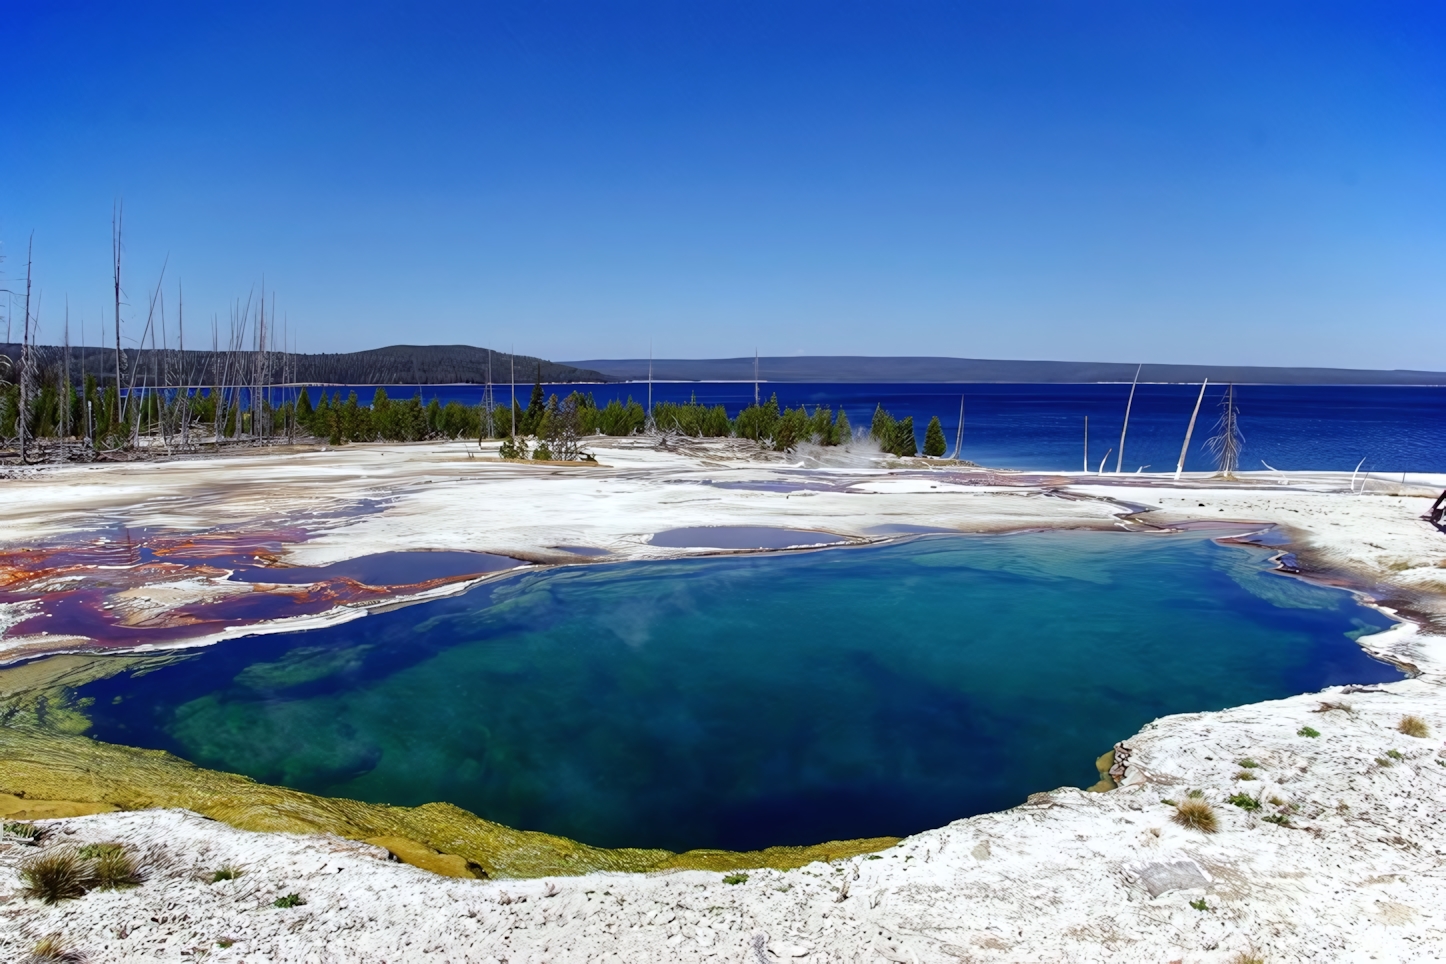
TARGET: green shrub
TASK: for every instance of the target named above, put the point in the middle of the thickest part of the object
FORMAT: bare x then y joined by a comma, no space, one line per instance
1248,763
736,879
290,900
1395,755
227,872
1199,904
1245,801
1307,731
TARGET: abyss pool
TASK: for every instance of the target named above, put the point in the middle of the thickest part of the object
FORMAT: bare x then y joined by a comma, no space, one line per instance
745,701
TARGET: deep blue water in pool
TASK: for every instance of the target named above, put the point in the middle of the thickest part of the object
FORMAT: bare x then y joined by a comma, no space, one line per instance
740,702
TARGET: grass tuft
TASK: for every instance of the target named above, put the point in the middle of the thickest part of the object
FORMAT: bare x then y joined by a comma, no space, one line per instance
1200,904
736,879
1247,957
1197,815
1383,762
290,900
1396,755
226,872
51,949
1307,731
1245,775
1248,763
1278,819
54,876
1414,726
1245,801
115,868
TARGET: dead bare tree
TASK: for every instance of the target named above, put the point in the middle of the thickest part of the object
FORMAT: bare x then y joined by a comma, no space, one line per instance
1227,441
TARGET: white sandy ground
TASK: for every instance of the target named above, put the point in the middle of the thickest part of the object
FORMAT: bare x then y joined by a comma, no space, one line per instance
1068,876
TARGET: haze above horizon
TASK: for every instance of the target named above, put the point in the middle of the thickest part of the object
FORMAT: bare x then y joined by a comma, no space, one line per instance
1222,183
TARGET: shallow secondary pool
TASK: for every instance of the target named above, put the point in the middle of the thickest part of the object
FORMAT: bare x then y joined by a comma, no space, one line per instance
745,701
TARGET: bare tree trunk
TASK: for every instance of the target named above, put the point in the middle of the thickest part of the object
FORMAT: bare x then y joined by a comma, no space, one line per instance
115,243
1120,459
25,352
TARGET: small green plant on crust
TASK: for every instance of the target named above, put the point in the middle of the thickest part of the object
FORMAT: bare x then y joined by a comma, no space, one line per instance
290,900
1383,762
1307,731
226,872
54,876
91,851
1396,755
736,879
1248,763
1245,775
1279,819
1197,815
1414,726
1195,794
224,943
115,868
51,949
1200,904
1245,801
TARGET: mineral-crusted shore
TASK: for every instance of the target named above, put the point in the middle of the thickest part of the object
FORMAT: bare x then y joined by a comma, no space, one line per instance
1342,860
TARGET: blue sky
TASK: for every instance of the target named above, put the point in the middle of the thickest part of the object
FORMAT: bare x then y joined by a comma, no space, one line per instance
1170,182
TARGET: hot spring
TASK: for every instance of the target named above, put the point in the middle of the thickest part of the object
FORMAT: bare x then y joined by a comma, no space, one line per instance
744,701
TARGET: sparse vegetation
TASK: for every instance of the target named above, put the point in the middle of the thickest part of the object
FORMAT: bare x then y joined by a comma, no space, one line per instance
290,900
224,943
24,831
55,876
1247,957
1279,819
1396,755
1197,815
226,872
1200,904
1383,762
1195,794
1245,801
1245,775
1307,731
1248,763
1414,726
91,851
736,879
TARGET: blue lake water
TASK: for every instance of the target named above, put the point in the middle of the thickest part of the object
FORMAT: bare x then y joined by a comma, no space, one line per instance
1041,427
746,701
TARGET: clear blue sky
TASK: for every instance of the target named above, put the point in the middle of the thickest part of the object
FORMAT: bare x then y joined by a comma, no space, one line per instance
1254,182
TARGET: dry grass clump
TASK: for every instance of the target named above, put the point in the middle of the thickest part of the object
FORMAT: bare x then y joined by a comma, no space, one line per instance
1414,726
1197,815
1247,957
55,876
66,873
52,950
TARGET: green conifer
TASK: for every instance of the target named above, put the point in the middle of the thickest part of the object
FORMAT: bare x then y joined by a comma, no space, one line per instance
934,444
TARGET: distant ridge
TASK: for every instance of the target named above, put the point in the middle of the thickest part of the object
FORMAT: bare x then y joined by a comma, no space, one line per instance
393,365
863,368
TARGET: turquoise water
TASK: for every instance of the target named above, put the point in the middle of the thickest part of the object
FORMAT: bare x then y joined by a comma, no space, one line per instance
741,702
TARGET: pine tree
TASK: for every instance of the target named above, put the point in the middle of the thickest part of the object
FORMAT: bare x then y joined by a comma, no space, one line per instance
904,442
934,444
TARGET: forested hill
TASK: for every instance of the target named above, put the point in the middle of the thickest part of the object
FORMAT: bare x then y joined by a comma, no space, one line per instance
395,365
863,368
